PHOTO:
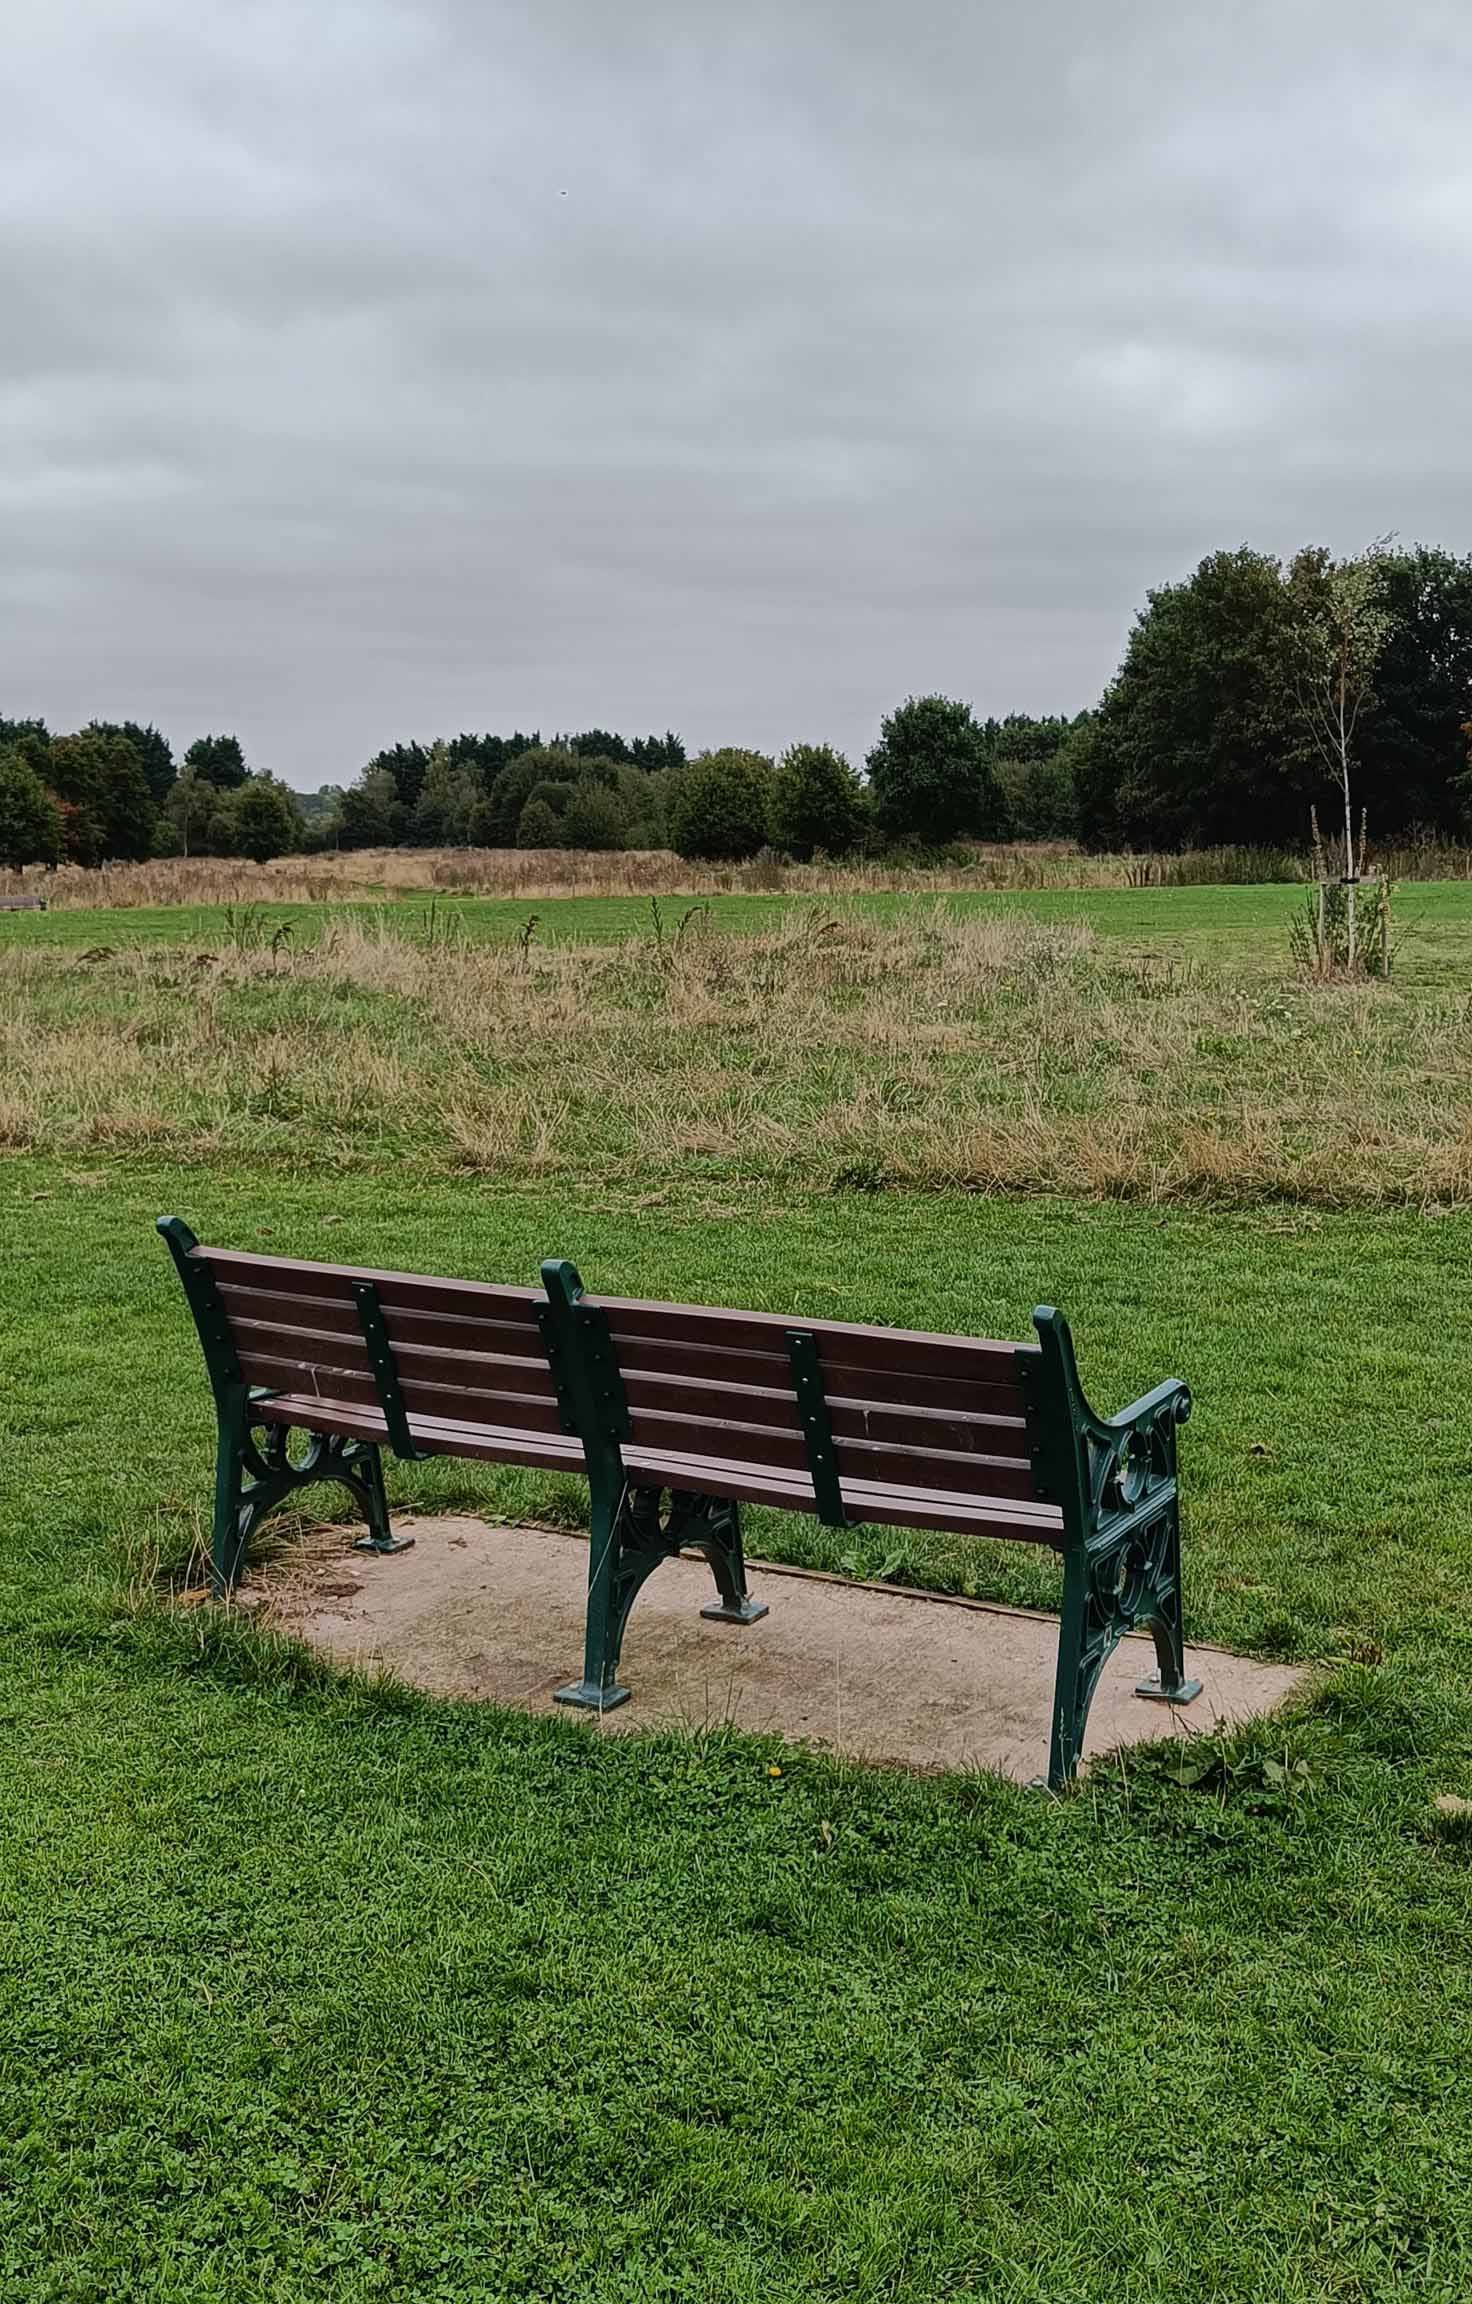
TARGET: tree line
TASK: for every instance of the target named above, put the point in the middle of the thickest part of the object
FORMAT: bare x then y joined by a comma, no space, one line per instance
937,774
1206,736
113,790
1209,732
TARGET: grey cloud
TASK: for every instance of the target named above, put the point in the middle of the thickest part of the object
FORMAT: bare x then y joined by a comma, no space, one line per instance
371,370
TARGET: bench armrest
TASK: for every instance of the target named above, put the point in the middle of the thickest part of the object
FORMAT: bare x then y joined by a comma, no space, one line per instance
1102,1470
1172,1394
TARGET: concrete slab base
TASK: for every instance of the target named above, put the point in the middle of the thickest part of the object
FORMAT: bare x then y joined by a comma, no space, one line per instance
880,1672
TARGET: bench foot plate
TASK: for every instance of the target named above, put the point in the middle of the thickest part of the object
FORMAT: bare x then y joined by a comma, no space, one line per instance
1186,1693
736,1612
587,1696
383,1543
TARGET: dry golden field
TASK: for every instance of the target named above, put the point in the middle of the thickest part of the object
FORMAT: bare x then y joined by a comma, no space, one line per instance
840,1048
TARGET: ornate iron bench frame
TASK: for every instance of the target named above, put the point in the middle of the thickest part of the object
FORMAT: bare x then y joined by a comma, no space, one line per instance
1101,1491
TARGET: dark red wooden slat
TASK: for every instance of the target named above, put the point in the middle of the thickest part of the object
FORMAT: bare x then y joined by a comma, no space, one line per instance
896,1507
920,1427
841,1343
483,1444
941,1470
469,1299
876,1420
895,1466
344,1348
482,1372
338,1316
513,1410
301,1372
685,1395
642,1355
329,1379
320,1315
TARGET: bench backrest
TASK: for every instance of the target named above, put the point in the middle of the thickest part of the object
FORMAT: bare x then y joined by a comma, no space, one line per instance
465,1355
893,1408
849,1421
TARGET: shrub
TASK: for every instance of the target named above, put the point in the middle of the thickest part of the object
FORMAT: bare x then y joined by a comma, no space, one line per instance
931,774
720,804
266,819
817,802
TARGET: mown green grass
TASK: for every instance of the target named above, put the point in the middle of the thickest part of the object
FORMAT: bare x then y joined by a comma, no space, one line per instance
1247,926
317,1988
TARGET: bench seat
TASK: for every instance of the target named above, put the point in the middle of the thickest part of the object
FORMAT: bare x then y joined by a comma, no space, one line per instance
677,1415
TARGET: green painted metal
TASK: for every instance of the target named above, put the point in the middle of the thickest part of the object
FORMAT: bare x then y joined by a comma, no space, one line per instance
812,1409
385,1372
259,1466
1114,1479
630,1529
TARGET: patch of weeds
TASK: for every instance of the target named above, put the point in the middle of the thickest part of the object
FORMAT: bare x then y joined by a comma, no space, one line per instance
1256,1769
873,1561
860,1176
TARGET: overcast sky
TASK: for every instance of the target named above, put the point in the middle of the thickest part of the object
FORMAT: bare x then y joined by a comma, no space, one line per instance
371,371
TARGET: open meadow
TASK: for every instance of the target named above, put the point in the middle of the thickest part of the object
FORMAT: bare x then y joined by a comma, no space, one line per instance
315,1986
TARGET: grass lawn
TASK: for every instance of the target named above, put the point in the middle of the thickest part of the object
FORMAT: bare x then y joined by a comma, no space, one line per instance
312,1987
1247,926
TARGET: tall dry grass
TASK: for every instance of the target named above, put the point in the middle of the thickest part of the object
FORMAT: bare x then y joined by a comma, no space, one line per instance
368,874
834,1053
363,875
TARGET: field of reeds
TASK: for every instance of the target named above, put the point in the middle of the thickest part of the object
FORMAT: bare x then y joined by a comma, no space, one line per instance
359,875
368,874
840,1049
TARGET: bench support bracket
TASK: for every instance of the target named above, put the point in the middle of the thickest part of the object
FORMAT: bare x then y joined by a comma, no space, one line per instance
812,1409
630,1533
385,1372
256,1469
1115,1480
648,1532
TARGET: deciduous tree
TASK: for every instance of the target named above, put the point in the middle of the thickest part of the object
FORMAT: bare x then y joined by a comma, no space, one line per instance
931,774
30,821
720,804
817,802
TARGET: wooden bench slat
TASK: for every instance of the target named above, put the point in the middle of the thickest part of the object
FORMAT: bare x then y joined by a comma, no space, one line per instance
877,1420
485,1373
546,1452
467,1299
898,1507
893,1464
1003,1518
332,1380
640,1355
965,1359
323,1315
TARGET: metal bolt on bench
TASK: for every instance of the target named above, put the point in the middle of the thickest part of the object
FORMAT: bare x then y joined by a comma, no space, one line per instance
678,1414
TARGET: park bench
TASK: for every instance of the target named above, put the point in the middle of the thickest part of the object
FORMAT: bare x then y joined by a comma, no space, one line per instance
678,1414
22,903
